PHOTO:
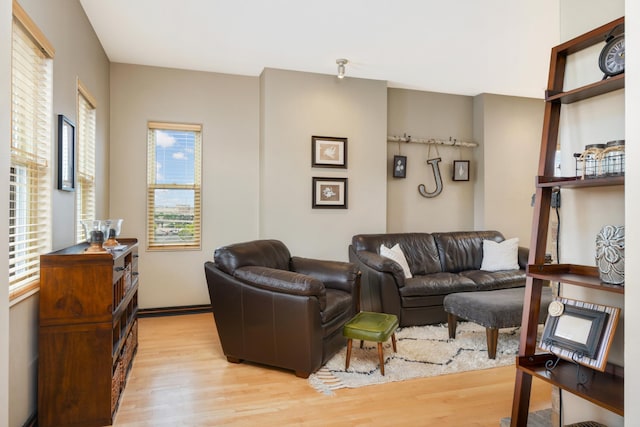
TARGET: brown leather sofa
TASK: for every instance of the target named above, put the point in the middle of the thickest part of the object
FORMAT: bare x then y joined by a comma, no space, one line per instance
441,263
278,310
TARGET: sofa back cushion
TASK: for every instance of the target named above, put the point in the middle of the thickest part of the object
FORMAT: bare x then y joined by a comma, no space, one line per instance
419,249
462,250
260,253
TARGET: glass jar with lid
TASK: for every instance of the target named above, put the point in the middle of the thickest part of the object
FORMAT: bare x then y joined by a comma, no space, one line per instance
614,158
592,158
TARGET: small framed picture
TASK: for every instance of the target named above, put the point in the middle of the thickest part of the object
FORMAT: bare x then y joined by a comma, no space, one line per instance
66,153
461,170
399,166
329,193
328,152
580,332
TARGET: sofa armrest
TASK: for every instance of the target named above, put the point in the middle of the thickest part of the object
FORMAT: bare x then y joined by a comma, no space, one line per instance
382,264
333,274
282,281
523,257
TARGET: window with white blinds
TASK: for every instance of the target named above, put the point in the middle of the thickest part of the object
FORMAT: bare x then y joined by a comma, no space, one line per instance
173,186
31,139
86,154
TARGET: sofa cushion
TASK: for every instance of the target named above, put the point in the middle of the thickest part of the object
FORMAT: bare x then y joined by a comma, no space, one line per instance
419,249
487,280
462,250
395,253
436,284
500,256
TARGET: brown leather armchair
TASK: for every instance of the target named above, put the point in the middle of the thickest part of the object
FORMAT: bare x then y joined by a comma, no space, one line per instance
279,310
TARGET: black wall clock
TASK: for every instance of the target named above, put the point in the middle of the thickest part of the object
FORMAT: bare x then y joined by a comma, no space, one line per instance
611,60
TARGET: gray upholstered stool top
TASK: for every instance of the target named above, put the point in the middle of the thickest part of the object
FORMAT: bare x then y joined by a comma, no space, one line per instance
501,308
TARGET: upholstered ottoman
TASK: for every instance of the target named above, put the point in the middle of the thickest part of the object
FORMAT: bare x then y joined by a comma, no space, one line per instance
496,309
371,326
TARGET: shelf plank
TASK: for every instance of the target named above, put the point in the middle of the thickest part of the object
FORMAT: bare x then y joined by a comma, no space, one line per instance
578,182
588,91
579,275
602,388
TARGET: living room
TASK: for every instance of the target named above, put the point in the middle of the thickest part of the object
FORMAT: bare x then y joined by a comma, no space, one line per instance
257,132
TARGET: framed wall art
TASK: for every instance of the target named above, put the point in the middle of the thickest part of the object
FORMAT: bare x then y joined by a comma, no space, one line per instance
580,331
328,152
399,166
329,193
66,154
461,170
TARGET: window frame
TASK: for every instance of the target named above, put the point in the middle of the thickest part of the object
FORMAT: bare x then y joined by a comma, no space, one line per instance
152,186
34,161
86,155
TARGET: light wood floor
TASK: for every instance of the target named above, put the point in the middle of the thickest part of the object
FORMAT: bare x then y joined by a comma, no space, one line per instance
180,377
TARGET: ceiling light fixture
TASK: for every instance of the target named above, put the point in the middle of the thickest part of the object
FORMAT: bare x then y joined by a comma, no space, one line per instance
341,63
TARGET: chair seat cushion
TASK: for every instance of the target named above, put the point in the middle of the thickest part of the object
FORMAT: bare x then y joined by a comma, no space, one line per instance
370,326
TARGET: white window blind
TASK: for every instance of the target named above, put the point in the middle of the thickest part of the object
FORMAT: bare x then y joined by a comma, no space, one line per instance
31,136
86,167
173,186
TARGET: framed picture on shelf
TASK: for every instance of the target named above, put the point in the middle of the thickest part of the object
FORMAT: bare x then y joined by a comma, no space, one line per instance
399,166
328,152
461,170
580,331
329,193
66,154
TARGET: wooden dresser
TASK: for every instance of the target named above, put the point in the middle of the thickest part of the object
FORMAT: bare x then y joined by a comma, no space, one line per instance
88,333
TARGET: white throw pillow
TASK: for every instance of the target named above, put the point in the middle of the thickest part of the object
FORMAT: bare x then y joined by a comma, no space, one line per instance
500,256
396,254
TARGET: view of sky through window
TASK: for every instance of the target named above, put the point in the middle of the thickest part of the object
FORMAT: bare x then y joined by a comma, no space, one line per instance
174,165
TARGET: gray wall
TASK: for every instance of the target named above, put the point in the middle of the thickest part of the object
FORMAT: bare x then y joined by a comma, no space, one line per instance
429,115
5,129
296,106
78,55
227,108
509,130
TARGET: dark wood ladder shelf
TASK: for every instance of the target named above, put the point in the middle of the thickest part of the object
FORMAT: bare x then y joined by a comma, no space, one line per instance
605,389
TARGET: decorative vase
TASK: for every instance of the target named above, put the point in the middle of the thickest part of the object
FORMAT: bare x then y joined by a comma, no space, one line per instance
610,254
113,227
94,231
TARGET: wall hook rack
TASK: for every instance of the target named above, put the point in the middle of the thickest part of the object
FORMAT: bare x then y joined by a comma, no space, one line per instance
453,142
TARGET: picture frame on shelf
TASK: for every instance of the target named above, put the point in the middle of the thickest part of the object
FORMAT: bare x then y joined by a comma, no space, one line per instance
461,170
328,152
399,166
66,153
580,331
329,193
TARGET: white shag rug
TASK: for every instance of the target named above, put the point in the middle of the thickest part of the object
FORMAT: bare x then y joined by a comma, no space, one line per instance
423,351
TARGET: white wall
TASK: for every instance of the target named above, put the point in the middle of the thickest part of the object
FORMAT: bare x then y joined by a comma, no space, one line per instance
5,129
294,107
227,108
584,212
429,115
632,206
509,137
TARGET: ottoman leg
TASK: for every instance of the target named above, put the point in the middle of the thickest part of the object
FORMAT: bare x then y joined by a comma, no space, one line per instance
349,344
381,357
492,342
393,341
452,322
